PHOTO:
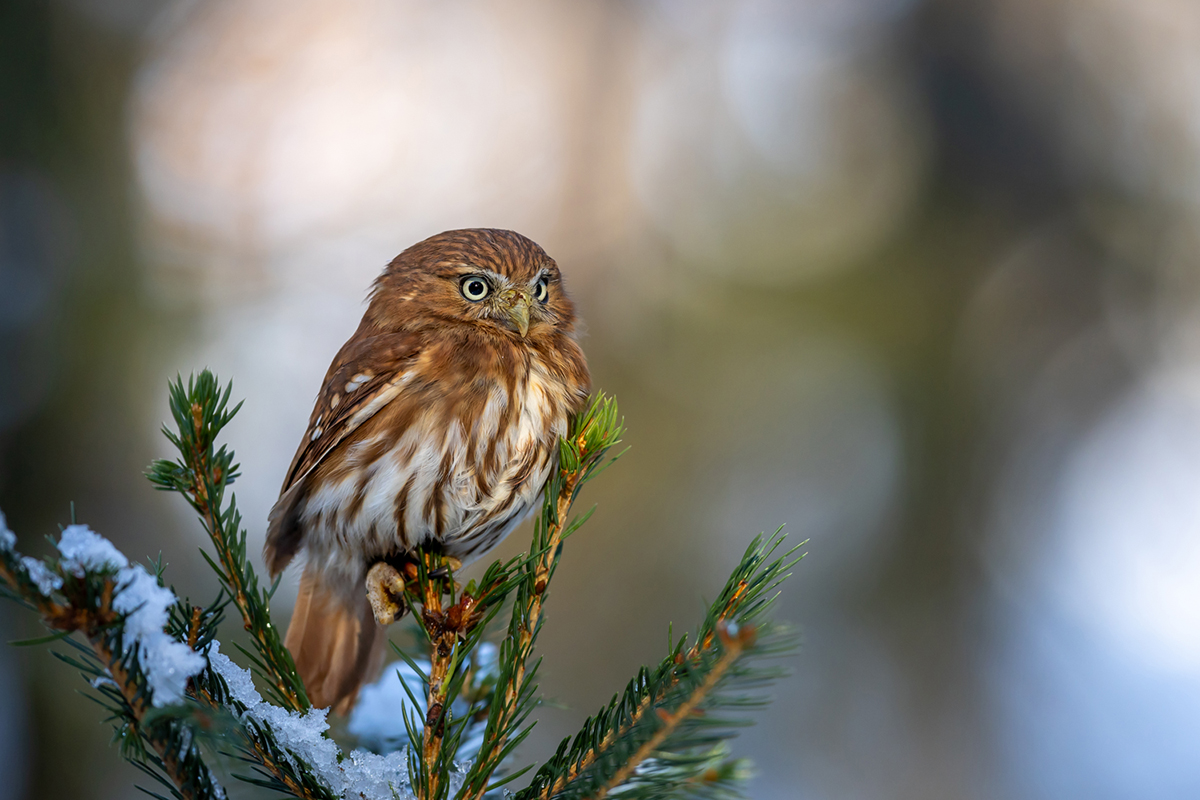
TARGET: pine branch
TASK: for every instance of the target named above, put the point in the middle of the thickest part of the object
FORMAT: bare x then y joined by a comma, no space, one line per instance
448,631
70,599
734,645
453,631
443,641
144,664
651,719
581,457
201,475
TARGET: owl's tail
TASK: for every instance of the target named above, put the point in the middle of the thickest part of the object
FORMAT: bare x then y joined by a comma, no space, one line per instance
337,648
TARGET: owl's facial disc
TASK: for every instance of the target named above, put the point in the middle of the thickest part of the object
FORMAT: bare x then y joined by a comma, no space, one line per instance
504,301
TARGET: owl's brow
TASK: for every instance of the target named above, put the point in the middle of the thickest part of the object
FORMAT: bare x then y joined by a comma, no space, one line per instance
462,270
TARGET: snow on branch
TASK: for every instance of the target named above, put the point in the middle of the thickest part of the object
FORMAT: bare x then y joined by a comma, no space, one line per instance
130,661
144,605
303,738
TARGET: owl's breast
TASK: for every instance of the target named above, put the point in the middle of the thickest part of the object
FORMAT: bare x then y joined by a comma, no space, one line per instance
461,465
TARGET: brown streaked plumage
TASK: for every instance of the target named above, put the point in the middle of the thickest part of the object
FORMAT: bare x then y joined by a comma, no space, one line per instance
437,422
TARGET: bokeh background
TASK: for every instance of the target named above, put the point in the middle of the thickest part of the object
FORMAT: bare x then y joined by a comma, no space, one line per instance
919,279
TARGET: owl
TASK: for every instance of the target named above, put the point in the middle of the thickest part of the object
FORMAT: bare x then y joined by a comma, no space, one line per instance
437,424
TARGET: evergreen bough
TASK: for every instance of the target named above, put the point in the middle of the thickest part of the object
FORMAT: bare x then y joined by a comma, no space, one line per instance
177,703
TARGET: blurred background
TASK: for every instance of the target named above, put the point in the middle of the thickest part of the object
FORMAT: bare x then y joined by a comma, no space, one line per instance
919,279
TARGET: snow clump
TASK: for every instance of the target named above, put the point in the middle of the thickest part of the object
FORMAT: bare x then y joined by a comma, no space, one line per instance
167,663
41,575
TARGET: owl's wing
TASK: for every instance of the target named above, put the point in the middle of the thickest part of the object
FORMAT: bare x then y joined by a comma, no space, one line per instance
365,376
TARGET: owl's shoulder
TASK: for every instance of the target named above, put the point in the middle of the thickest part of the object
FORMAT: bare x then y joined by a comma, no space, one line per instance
362,378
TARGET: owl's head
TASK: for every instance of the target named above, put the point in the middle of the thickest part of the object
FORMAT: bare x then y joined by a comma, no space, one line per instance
495,280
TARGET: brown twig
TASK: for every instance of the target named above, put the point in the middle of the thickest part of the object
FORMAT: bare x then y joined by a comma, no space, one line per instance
194,627
540,581
445,627
442,639
541,578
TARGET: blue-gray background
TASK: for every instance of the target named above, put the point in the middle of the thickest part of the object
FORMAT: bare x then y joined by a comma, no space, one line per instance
920,279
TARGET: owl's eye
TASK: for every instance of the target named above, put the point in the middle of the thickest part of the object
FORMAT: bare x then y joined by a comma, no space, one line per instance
541,292
475,288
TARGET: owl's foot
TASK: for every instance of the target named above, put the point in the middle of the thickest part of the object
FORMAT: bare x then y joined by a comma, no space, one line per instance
385,590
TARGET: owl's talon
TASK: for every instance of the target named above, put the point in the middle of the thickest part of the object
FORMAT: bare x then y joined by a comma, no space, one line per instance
452,565
385,590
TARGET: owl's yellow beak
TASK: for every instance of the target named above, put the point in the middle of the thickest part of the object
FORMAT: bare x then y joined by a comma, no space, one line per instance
518,312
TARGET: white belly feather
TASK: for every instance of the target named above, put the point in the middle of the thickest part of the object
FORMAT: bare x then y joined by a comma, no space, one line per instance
428,458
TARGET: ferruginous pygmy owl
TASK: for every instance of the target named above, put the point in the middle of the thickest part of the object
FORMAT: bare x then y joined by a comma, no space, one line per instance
438,422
